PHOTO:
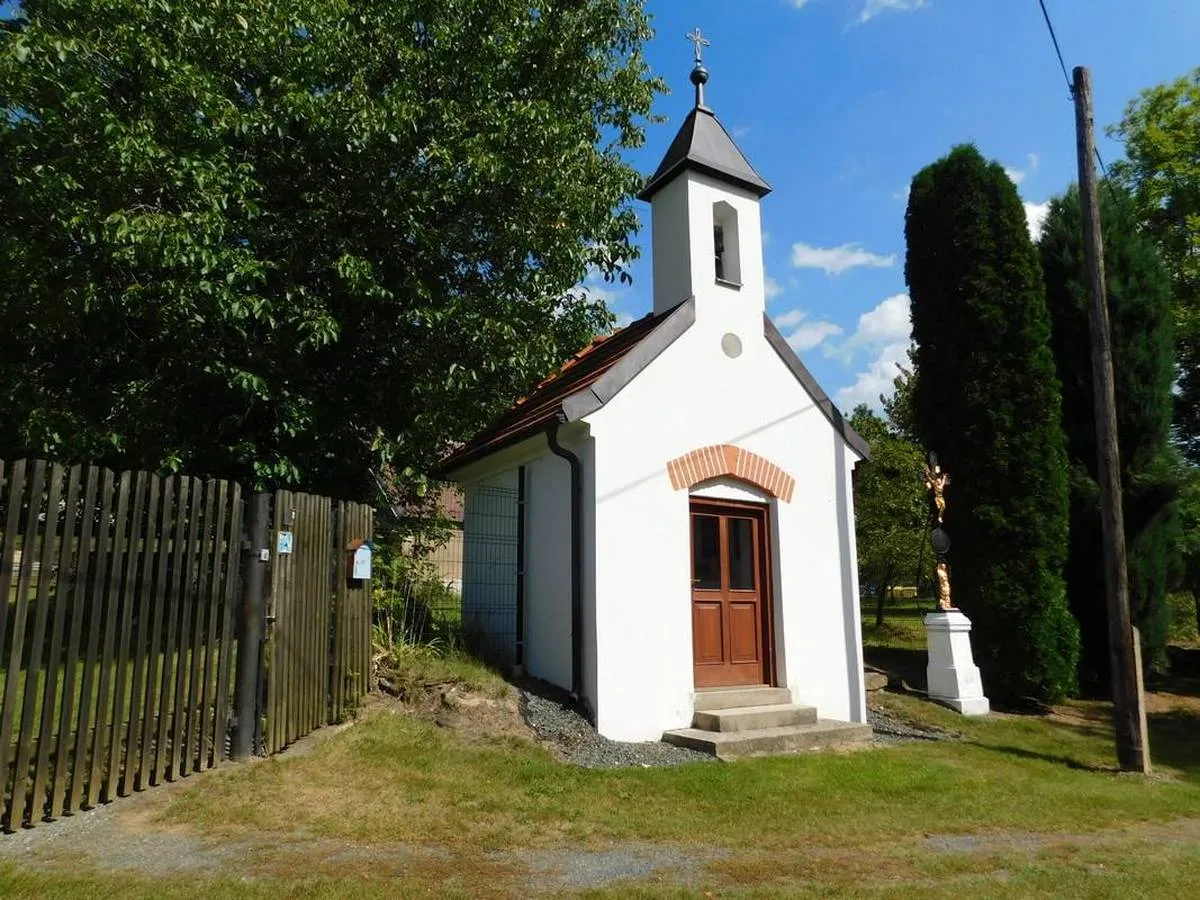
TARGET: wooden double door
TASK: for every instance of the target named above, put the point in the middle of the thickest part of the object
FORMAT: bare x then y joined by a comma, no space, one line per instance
731,605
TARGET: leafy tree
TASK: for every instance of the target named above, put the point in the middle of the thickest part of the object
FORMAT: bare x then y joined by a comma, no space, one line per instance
1161,131
889,507
987,400
898,407
1139,303
1187,544
291,241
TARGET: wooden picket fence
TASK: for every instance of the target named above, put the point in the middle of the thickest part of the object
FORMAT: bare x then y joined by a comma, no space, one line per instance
351,652
115,632
118,631
315,609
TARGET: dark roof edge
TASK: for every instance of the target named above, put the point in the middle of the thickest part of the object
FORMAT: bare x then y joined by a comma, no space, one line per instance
444,471
576,406
788,355
656,185
595,395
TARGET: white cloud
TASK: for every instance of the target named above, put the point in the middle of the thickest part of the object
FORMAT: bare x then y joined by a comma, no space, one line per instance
597,291
740,131
1018,175
836,260
812,334
772,288
888,323
799,4
803,334
611,293
903,195
872,8
1035,215
876,379
789,319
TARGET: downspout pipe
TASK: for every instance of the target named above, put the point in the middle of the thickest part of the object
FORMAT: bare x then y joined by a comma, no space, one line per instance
576,558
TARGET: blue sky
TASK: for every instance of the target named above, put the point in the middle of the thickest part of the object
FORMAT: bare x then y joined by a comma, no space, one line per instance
839,102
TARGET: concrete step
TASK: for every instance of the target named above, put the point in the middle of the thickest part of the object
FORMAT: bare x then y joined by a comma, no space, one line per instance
770,741
728,698
750,718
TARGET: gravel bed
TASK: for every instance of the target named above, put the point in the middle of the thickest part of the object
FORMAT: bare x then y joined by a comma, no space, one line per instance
571,869
574,739
887,728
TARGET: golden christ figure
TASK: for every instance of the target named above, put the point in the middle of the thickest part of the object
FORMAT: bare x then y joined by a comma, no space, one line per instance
936,480
943,578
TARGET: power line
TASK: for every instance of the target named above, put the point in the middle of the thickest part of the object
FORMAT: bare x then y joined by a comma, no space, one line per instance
1120,201
1057,49
1071,89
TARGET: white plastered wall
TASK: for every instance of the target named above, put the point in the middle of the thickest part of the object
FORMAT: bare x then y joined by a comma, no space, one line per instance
547,546
683,250
694,395
548,570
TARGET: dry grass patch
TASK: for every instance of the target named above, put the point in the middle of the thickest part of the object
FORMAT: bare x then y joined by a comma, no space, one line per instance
448,796
402,779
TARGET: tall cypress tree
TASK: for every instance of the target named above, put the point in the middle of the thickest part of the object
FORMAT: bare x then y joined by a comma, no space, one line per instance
987,401
1139,305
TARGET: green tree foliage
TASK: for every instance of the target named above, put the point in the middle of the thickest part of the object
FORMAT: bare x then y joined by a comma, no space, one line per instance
294,240
987,401
1139,304
898,408
890,509
1187,545
1161,131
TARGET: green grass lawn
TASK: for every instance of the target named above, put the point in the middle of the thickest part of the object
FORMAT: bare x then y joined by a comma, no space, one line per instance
398,805
902,629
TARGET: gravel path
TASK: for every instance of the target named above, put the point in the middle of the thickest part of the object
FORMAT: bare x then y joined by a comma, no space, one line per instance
577,742
557,723
891,730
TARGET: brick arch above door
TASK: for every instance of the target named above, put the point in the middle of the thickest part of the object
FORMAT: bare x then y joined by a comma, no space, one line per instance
728,460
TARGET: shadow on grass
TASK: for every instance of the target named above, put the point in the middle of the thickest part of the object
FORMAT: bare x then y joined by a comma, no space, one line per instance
1057,759
1174,744
1175,740
1185,658
898,662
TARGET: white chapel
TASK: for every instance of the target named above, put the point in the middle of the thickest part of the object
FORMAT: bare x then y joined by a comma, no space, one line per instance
665,527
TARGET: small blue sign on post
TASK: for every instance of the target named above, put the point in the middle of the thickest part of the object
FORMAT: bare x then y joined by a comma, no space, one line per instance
360,553
283,542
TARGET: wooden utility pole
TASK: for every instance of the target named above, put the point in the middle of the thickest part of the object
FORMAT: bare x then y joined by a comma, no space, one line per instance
1129,716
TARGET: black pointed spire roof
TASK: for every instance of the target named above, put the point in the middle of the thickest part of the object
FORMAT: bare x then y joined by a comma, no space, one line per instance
703,145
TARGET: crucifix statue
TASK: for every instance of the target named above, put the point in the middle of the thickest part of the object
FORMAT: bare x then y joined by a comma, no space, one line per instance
699,41
936,481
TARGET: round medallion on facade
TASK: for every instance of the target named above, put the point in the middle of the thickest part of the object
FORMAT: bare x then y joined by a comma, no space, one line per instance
731,345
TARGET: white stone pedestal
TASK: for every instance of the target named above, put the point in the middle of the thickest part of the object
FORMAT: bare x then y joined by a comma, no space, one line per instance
953,676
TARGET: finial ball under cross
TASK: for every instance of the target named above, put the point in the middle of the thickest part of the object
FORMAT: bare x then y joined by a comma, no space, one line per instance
699,41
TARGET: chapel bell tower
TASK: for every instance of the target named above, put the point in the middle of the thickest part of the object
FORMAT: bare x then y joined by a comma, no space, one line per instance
704,200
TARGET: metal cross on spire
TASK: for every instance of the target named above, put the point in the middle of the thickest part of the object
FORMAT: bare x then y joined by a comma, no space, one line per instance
699,41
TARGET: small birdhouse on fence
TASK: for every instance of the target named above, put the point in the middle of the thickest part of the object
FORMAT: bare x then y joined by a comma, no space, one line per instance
358,559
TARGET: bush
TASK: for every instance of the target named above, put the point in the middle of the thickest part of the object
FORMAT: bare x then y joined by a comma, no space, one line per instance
1139,303
412,606
1181,610
987,400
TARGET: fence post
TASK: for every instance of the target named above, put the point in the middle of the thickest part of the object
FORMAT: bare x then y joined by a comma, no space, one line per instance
250,626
